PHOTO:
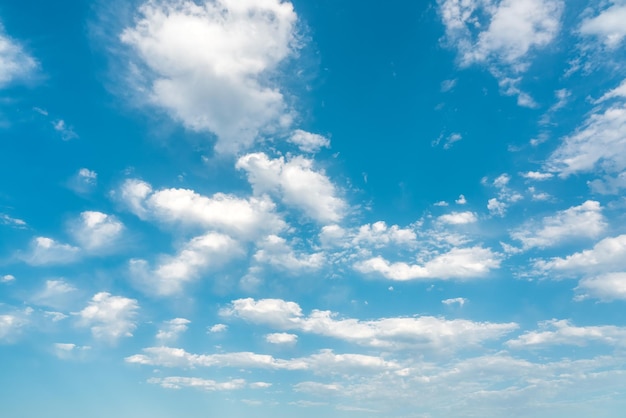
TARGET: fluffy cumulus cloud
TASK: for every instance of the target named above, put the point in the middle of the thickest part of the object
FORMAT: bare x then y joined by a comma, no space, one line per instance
281,338
458,218
110,317
501,35
198,255
379,234
242,218
297,184
208,64
608,255
606,287
15,63
276,251
389,333
46,251
608,26
308,142
96,231
583,221
599,144
458,263
562,332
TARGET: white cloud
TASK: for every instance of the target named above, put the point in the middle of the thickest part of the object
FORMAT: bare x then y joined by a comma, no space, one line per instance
458,263
110,317
598,144
10,326
496,207
390,333
56,294
69,351
15,63
171,330
45,251
606,287
537,175
7,278
562,332
448,141
609,184
501,35
275,251
608,25
379,235
83,181
461,200
447,85
459,301
608,255
218,328
96,231
244,218
207,64
458,218
441,203
11,221
175,382
172,272
281,338
583,221
297,184
309,142
67,132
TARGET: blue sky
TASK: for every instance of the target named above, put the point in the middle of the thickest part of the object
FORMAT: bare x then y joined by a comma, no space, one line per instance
270,208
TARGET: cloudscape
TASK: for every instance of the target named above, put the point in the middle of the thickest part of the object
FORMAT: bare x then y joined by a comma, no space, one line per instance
274,208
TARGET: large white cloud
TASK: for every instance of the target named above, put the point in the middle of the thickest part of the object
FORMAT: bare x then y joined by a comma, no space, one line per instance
458,263
599,143
110,317
297,183
389,333
583,221
608,25
208,64
15,63
242,218
201,253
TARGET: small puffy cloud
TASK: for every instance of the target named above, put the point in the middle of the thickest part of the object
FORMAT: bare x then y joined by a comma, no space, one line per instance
297,183
458,263
583,221
56,294
67,132
441,203
15,63
208,64
243,218
281,338
496,207
396,333
537,175
562,332
170,273
608,26
461,200
599,143
96,231
608,255
110,317
217,328
606,287
44,251
308,142
275,251
453,301
69,351
171,330
176,382
7,278
458,218
379,234
83,181
11,221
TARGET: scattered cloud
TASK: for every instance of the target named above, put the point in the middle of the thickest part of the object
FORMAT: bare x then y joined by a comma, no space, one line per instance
7,278
176,382
110,317
461,200
56,294
458,263
69,351
17,64
606,287
608,26
66,131
281,338
45,251
583,221
84,181
448,85
537,175
308,142
276,251
459,301
96,231
208,65
458,218
562,332
297,183
217,328
172,329
12,222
